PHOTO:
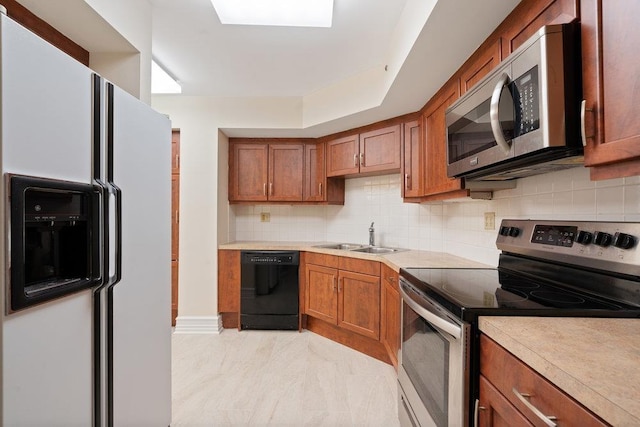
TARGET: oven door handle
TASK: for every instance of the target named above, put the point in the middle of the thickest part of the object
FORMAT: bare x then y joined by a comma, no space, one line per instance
430,316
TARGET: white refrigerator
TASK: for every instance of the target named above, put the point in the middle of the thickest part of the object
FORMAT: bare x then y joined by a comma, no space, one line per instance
99,354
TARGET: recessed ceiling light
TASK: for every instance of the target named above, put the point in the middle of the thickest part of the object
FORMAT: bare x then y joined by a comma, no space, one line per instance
287,13
161,81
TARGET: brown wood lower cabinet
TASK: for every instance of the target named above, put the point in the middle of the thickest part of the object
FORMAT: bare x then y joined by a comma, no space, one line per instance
350,298
229,287
341,298
390,316
342,301
513,394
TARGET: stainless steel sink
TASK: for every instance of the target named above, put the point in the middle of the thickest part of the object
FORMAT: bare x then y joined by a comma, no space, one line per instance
342,246
354,247
378,250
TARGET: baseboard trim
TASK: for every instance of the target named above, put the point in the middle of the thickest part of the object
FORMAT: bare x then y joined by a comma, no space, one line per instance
198,325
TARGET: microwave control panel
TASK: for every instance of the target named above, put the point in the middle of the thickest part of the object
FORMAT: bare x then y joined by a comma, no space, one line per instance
527,102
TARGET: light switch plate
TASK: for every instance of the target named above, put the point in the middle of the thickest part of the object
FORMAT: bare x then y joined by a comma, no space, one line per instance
265,217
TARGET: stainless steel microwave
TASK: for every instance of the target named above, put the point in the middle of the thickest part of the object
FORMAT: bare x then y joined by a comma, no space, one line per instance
524,117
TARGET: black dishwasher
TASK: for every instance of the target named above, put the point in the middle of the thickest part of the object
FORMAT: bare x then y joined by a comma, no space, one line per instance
269,290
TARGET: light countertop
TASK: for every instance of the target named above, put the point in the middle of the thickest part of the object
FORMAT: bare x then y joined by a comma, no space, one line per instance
596,361
396,260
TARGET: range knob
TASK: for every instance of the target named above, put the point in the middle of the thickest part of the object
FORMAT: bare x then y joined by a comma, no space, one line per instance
504,230
602,239
514,232
584,237
623,241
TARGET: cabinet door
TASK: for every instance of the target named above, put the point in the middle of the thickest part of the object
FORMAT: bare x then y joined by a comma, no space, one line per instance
412,166
343,156
314,173
175,151
228,281
248,167
479,66
359,303
437,182
494,410
380,150
285,172
174,292
527,18
525,389
611,87
321,293
390,316
175,209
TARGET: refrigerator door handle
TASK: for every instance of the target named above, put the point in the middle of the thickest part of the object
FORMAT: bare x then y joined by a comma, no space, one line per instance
114,190
117,274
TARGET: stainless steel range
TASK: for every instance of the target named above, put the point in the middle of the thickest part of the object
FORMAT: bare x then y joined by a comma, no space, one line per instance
546,268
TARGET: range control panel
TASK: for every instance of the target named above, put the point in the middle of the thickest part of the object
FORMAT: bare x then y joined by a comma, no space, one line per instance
604,245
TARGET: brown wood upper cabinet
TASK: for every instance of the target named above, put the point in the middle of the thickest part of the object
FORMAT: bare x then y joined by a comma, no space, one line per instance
611,87
315,181
437,183
413,159
265,172
366,153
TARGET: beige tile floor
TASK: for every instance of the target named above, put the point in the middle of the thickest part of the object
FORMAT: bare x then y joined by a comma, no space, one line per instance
278,378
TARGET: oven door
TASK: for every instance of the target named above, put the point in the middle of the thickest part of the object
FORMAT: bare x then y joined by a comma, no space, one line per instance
434,367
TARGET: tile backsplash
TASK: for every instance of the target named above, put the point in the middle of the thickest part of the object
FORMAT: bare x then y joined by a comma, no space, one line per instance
456,227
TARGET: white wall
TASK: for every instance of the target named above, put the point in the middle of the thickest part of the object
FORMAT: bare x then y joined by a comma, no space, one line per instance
132,19
205,217
453,227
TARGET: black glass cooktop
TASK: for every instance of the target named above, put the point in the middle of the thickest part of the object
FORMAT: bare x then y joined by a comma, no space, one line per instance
469,292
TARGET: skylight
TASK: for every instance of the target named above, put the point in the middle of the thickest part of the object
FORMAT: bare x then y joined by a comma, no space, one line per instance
162,82
284,13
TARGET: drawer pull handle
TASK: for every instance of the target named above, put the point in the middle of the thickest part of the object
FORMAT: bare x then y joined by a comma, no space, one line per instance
547,419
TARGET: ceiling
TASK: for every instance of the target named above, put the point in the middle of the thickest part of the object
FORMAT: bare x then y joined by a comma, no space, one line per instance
209,58
397,53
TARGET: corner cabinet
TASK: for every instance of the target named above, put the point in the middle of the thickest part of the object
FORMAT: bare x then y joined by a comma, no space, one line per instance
513,394
611,87
344,292
373,152
317,187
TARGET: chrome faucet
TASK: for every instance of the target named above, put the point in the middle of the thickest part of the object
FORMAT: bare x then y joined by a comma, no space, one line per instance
371,237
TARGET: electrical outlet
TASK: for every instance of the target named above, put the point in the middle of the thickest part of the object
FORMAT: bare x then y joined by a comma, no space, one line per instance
489,220
265,217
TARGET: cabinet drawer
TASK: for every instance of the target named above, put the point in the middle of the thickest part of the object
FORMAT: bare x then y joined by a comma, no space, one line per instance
360,266
509,375
321,259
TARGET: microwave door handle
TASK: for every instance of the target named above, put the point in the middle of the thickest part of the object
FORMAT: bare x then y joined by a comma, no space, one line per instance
454,330
495,116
